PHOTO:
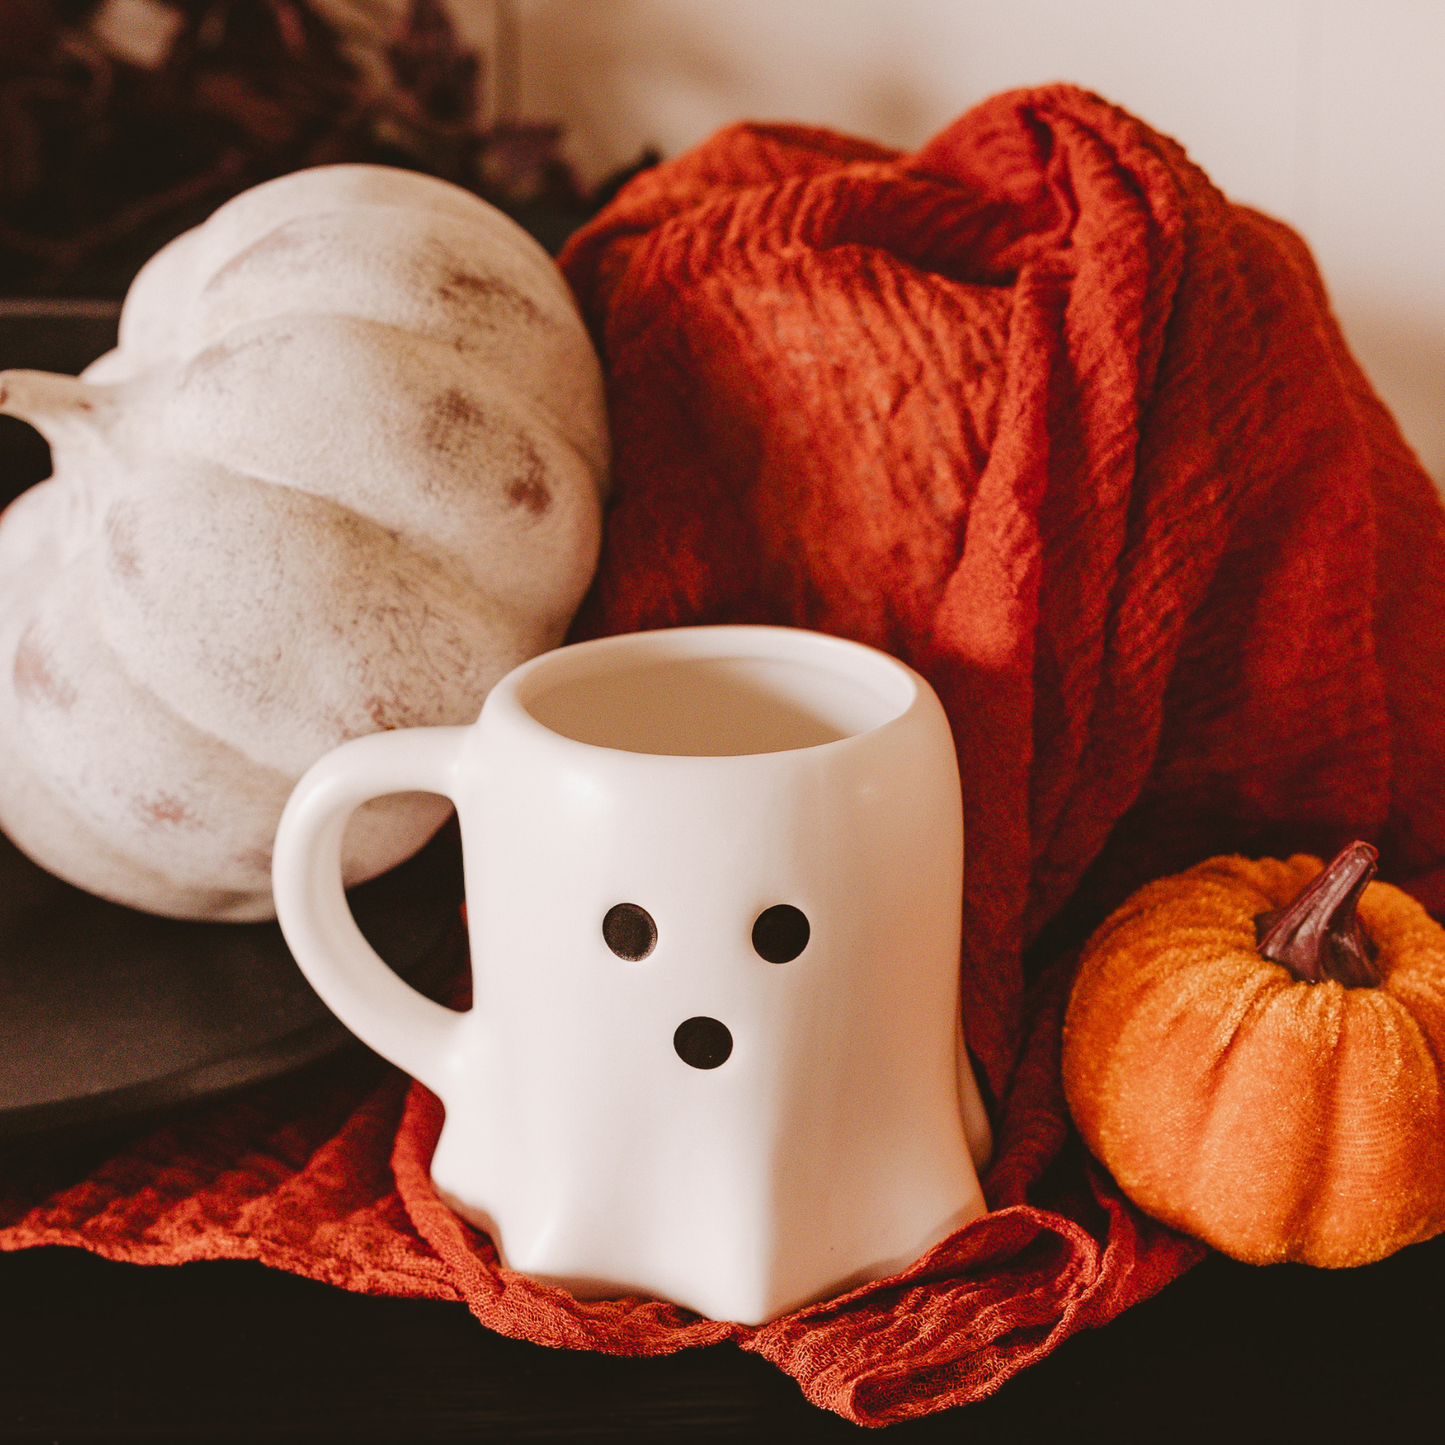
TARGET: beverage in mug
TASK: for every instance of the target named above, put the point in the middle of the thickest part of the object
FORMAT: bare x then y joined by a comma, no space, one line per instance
714,881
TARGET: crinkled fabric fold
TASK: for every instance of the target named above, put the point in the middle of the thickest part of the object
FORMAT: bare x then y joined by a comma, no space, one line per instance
1037,410
327,1175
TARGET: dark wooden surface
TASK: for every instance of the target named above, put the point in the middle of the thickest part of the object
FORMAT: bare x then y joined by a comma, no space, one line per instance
232,1351
108,1015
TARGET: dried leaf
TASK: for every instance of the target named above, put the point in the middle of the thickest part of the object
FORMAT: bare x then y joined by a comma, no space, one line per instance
103,159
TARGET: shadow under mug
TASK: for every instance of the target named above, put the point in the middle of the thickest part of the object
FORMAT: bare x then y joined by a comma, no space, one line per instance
714,884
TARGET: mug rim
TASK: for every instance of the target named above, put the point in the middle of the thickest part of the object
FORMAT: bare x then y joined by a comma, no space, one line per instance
893,682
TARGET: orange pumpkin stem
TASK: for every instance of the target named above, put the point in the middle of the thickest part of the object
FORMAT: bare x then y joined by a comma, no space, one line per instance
1318,936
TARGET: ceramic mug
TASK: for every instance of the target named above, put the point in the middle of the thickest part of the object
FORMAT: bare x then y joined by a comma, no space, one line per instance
714,883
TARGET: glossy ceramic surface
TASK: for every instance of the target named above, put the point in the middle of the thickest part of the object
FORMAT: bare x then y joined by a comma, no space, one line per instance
714,884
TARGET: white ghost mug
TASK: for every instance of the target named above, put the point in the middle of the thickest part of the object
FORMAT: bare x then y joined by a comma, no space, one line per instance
714,883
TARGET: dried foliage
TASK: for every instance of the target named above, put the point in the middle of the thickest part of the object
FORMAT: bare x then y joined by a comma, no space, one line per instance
123,122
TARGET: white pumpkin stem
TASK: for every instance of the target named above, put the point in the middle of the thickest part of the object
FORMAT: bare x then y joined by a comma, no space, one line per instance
63,409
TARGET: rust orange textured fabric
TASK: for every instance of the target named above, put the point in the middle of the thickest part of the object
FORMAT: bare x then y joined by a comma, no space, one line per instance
1038,411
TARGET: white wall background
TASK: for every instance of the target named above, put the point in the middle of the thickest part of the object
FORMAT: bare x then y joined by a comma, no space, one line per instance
1327,113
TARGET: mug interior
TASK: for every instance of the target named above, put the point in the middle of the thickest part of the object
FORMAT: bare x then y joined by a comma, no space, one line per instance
723,706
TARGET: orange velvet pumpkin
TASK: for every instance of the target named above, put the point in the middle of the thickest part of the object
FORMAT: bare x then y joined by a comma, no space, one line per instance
1273,1117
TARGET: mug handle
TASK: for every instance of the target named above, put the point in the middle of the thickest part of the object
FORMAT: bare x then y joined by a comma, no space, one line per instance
382,1010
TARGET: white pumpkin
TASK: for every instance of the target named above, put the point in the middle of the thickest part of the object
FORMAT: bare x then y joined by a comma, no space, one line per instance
343,471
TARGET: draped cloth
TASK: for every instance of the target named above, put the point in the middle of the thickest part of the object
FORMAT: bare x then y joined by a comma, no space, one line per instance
1037,410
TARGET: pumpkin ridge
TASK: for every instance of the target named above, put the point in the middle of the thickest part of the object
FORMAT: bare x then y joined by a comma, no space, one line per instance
1417,995
421,544
1256,998
484,610
506,421
1255,993
327,317
480,340
1383,1232
122,877
346,191
1302,1222
90,846
162,704
1164,1002
1436,1055
1252,1116
262,251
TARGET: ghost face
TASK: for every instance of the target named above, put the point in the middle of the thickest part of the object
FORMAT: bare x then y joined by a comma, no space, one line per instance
779,935
715,918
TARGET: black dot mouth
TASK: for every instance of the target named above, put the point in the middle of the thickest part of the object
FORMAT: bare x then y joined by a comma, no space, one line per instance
702,1042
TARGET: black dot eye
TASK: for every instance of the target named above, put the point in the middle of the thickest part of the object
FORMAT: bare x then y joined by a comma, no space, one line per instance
629,931
703,1042
781,933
